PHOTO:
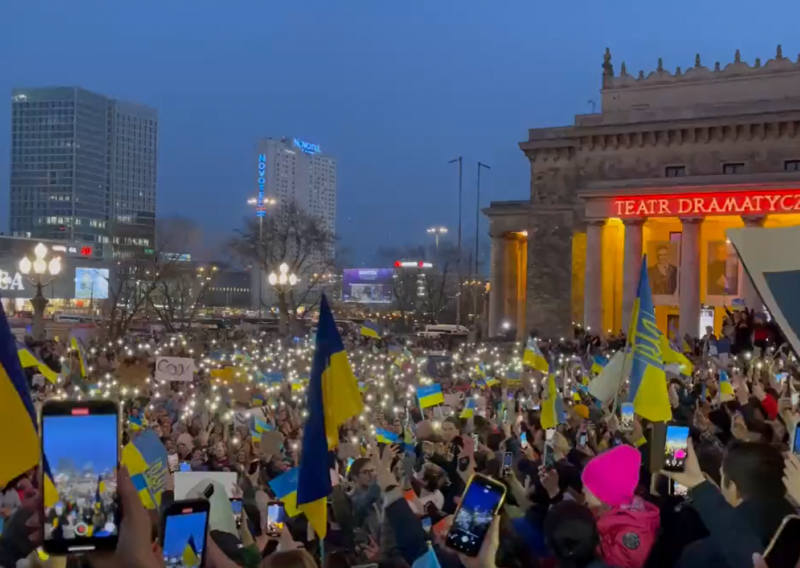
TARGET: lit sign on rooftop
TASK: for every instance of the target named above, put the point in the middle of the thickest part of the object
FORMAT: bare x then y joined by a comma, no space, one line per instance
307,147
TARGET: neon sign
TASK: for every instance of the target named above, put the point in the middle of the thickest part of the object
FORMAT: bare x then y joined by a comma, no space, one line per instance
708,204
307,147
262,181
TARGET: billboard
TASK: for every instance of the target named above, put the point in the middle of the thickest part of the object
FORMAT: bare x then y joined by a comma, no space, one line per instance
367,285
91,283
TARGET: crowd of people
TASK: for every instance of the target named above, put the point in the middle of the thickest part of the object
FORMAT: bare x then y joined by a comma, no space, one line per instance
588,492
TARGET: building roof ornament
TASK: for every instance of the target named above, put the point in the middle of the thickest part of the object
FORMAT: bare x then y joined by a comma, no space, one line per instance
737,68
623,71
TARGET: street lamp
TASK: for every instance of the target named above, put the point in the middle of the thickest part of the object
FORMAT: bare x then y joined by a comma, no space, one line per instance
283,278
261,211
460,161
436,231
481,165
39,267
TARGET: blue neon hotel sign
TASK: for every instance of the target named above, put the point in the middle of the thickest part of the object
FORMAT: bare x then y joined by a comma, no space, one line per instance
307,147
262,181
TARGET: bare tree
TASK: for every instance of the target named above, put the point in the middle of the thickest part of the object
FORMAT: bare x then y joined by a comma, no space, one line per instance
130,284
179,292
299,239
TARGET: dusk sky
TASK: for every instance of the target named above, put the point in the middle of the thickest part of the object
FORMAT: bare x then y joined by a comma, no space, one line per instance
393,89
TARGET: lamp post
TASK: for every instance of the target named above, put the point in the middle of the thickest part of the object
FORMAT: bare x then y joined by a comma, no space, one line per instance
460,161
38,268
261,211
477,241
436,231
283,282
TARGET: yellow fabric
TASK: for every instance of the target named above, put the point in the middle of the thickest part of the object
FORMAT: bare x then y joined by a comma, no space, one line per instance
317,514
341,398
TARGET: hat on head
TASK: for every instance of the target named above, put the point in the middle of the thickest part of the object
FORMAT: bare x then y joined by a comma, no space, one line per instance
581,410
613,475
770,406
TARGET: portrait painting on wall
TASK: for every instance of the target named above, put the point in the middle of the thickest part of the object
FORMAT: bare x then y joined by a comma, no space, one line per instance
722,269
663,260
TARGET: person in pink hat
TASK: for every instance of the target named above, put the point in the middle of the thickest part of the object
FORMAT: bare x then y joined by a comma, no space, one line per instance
628,525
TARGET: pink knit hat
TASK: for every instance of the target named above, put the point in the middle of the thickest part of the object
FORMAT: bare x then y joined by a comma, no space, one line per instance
613,475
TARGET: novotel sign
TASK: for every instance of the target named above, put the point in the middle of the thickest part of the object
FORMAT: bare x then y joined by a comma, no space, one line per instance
262,182
307,147
707,204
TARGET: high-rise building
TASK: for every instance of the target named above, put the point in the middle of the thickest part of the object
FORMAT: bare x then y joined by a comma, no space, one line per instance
83,168
295,170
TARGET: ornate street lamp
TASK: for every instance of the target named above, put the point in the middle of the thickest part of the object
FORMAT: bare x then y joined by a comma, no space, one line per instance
38,268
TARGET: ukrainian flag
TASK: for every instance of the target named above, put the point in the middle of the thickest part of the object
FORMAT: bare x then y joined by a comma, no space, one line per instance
259,399
19,438
725,386
385,436
430,395
648,381
549,416
257,426
409,441
480,369
285,489
28,359
673,356
135,423
469,408
492,381
146,460
533,356
369,329
189,556
332,399
76,345
599,364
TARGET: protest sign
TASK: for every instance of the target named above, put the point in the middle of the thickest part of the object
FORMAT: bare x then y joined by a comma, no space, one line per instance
271,443
146,460
174,369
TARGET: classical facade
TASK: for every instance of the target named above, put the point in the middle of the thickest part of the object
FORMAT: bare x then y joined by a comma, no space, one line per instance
669,164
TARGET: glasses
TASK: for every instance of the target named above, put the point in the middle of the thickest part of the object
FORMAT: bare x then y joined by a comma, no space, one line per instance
368,471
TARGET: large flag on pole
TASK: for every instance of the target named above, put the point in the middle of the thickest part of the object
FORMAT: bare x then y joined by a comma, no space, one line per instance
333,398
533,357
770,259
648,381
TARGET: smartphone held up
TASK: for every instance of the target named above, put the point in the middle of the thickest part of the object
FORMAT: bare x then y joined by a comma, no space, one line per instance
480,502
183,533
80,444
676,447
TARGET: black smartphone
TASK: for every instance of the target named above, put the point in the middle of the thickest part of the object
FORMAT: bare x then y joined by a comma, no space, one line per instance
80,441
426,523
507,461
796,440
463,463
236,507
276,518
184,528
676,489
480,502
583,437
253,468
783,550
676,447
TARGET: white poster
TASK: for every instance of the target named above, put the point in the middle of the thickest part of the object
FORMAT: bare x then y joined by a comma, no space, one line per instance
174,369
185,481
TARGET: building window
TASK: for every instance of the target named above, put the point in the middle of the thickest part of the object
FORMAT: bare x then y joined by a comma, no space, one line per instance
734,168
791,165
675,171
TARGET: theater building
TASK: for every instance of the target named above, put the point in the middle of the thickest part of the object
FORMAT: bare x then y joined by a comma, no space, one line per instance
672,160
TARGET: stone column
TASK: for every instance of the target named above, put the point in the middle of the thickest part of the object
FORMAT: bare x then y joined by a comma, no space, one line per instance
690,278
631,267
593,279
748,291
497,285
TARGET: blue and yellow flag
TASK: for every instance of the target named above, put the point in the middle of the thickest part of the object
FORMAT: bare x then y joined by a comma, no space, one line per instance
146,460
369,329
332,399
549,416
409,440
136,423
76,345
533,356
285,489
28,359
672,356
480,369
599,363
189,556
469,408
430,395
19,438
492,381
383,436
257,426
725,385
648,381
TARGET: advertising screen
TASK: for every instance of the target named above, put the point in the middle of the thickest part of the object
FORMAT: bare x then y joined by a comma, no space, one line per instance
91,283
367,285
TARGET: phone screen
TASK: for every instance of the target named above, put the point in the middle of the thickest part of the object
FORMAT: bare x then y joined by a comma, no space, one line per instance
184,536
479,504
677,489
626,416
426,524
796,440
172,462
276,518
80,442
676,447
549,455
523,440
582,438
781,376
508,459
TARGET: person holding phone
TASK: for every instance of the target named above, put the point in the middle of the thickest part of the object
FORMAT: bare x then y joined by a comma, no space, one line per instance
628,524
